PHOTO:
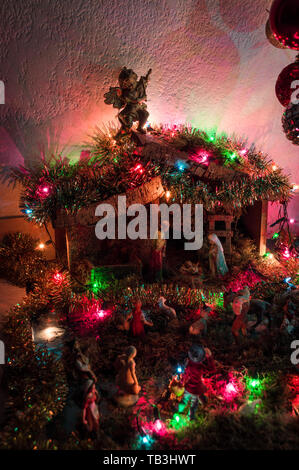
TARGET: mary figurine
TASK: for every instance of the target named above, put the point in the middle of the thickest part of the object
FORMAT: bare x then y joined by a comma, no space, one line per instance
216,256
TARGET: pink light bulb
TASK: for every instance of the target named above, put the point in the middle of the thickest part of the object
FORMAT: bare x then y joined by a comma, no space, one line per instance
230,388
158,425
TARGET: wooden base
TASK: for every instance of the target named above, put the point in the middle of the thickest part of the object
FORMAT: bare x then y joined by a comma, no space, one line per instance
125,401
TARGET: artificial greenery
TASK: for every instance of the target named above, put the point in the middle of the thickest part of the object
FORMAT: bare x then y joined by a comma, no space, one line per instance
114,167
40,396
21,262
36,384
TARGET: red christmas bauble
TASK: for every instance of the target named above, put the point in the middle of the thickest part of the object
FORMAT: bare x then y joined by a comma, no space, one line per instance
271,38
290,123
284,22
285,86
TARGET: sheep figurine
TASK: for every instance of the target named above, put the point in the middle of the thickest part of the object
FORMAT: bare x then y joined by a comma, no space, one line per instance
170,312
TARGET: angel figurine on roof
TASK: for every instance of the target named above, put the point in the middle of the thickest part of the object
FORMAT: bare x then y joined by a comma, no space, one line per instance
131,96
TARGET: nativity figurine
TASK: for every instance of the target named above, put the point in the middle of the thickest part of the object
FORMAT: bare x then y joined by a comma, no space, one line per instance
200,362
130,97
138,320
168,311
126,379
218,266
241,304
82,364
200,326
91,414
158,251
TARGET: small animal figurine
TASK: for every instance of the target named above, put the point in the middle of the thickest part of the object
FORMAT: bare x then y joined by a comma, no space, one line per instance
131,96
91,414
82,364
169,311
190,268
200,326
218,266
138,320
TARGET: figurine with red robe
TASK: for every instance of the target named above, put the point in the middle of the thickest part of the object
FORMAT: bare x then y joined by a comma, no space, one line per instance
138,320
200,362
91,414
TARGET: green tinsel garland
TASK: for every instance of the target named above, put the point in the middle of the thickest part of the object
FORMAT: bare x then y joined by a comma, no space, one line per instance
112,169
36,383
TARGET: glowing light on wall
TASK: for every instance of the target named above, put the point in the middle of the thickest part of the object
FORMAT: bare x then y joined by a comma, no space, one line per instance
50,333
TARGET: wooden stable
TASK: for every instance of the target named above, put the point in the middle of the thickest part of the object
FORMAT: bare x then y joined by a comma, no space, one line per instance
223,233
253,219
150,192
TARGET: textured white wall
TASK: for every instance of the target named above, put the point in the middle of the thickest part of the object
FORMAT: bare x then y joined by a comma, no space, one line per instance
212,66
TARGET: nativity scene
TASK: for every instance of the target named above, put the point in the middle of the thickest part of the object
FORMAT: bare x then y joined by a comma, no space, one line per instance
170,309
